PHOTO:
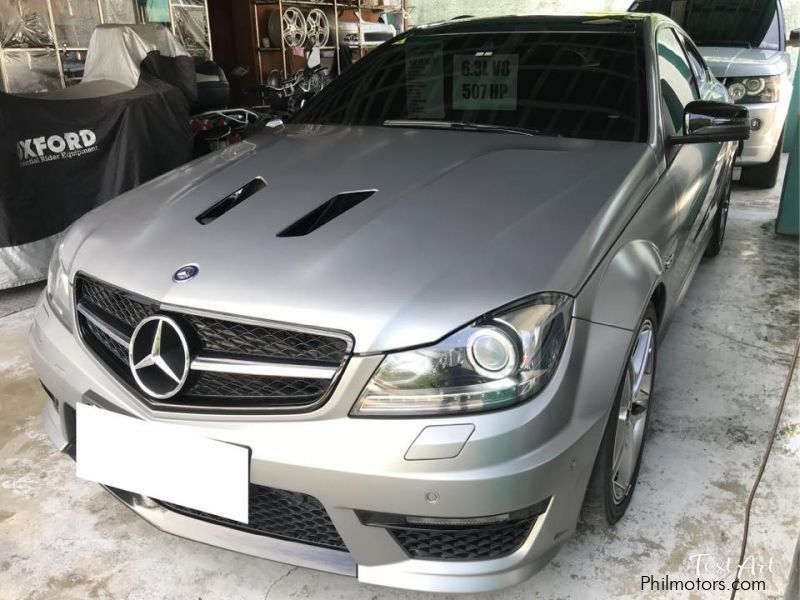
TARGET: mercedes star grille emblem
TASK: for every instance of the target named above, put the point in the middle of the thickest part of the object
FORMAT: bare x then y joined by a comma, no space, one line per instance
159,356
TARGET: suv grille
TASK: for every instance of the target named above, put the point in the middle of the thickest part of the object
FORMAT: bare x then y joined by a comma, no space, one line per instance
377,36
278,513
107,317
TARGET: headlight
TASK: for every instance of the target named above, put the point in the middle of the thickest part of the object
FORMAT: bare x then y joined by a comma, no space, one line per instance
58,289
754,90
494,363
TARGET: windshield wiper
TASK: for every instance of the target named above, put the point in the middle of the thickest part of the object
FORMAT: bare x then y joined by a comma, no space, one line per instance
459,126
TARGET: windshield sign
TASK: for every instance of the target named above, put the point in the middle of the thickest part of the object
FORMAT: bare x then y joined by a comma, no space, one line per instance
424,80
485,81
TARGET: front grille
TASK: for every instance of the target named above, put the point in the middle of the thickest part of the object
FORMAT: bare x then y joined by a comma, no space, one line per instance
464,544
278,513
377,36
266,342
218,338
116,350
230,385
114,302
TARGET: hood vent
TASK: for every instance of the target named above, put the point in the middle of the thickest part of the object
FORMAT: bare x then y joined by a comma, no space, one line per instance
326,213
231,200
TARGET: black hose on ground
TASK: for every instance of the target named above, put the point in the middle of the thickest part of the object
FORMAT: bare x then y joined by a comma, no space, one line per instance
773,433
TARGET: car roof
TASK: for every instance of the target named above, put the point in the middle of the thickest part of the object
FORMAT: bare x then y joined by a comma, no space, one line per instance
589,22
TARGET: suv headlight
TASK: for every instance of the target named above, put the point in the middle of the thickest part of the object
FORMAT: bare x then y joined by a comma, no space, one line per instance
754,90
58,289
494,363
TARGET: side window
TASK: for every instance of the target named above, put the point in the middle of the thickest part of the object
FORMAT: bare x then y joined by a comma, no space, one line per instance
678,86
696,62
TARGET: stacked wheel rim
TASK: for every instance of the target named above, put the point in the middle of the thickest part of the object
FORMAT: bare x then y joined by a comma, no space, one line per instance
294,28
317,27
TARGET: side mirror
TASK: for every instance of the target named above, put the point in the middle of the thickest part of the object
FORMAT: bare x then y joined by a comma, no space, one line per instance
713,122
794,38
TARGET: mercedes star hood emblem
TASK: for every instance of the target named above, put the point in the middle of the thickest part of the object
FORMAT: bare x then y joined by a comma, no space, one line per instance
185,273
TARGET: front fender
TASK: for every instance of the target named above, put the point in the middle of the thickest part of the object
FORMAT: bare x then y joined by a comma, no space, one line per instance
618,292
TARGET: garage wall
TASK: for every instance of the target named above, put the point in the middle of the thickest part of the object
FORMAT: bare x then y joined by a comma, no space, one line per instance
792,11
427,11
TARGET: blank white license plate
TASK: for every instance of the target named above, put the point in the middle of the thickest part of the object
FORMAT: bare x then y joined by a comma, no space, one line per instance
162,461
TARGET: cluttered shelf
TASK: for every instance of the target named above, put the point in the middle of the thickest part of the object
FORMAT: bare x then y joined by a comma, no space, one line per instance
274,49
298,44
320,3
383,8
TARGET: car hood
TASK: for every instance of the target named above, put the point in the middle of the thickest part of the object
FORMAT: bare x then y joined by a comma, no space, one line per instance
743,62
461,223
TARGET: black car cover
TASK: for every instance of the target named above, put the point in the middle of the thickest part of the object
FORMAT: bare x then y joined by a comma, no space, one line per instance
66,152
60,159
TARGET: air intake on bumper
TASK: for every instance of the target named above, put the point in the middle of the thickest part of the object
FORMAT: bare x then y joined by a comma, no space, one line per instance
472,538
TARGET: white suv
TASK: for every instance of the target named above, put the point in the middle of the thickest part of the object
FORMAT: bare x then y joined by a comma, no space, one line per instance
744,45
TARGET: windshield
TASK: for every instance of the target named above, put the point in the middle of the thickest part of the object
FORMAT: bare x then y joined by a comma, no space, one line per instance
582,85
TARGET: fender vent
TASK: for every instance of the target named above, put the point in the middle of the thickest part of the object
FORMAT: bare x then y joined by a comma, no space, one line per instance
231,200
326,213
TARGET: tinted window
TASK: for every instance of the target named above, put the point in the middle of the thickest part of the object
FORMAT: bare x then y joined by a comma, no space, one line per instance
584,85
695,61
677,80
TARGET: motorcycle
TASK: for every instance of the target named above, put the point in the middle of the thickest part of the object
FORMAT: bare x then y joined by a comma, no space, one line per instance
219,128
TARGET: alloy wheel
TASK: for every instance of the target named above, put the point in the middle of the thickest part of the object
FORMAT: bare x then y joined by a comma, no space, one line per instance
726,203
317,27
294,28
633,407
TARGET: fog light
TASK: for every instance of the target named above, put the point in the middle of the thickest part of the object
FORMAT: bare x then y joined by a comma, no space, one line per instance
394,521
755,124
437,522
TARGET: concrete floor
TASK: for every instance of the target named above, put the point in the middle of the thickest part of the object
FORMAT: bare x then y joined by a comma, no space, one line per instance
721,370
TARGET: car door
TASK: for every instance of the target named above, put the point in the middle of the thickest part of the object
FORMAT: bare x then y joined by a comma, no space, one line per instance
693,169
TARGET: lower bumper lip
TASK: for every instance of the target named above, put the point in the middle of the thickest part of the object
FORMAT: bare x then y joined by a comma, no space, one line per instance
304,555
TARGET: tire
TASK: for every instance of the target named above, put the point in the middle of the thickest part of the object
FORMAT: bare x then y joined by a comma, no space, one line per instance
720,222
611,487
764,176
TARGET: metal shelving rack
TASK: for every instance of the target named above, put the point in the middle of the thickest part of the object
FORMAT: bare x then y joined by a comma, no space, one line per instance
173,4
336,6
61,50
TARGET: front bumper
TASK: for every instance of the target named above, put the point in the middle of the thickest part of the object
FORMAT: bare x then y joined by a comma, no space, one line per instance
542,450
764,140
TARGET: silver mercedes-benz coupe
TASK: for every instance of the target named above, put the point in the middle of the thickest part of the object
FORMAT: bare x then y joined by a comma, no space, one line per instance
411,334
